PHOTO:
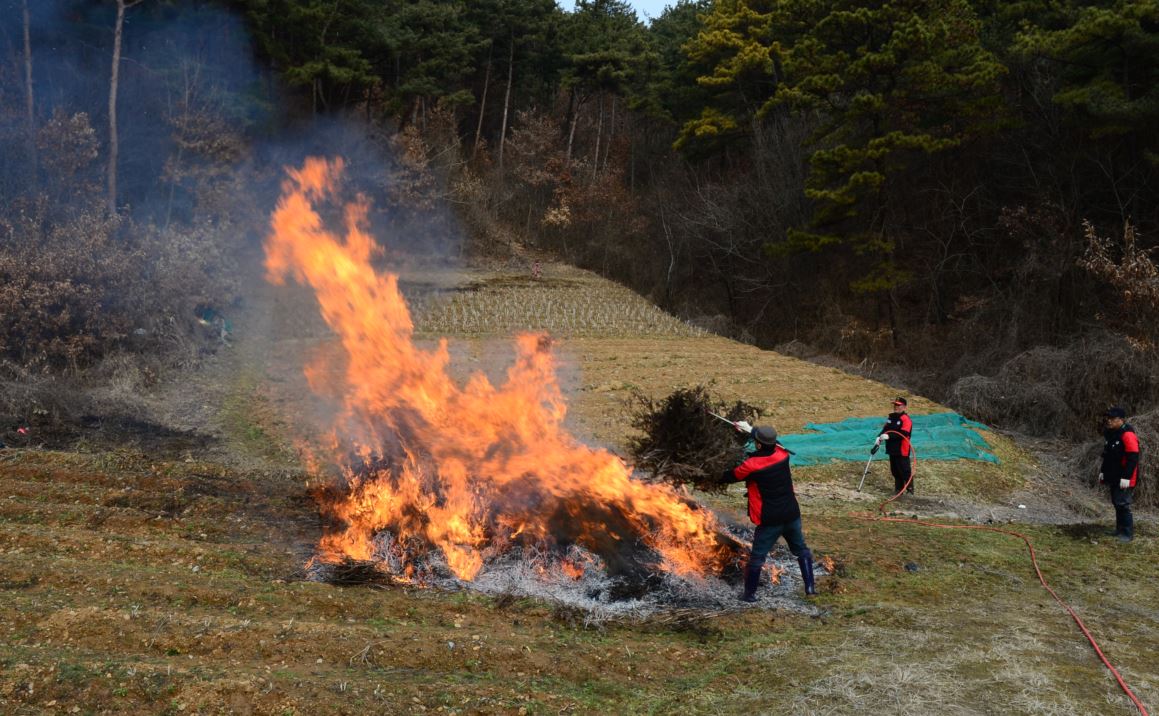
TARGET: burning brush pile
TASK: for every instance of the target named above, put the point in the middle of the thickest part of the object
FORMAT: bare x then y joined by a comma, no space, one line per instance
478,484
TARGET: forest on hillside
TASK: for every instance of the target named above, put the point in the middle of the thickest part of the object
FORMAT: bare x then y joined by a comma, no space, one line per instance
960,194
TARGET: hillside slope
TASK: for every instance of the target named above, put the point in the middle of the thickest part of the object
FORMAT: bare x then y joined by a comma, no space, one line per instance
171,582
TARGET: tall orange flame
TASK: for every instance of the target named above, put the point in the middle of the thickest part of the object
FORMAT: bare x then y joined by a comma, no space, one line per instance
465,470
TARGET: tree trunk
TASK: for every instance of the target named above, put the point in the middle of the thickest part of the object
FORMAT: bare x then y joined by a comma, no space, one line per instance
573,115
483,102
611,134
632,154
325,103
671,258
28,96
115,78
173,186
599,132
893,333
507,100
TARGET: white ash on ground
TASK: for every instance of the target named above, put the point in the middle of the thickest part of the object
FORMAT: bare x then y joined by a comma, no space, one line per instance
577,579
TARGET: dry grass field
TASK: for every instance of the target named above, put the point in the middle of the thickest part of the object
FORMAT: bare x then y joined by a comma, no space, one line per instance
170,582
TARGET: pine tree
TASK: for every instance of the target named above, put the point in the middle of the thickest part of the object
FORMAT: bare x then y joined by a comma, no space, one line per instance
738,52
886,83
1105,55
321,45
668,87
605,47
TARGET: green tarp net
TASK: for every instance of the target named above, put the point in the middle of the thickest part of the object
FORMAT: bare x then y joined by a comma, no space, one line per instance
942,436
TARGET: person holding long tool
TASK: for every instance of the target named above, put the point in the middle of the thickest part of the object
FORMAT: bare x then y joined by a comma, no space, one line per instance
896,434
773,506
1120,469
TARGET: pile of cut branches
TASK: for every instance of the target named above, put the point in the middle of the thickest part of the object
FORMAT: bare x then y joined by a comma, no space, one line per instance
680,443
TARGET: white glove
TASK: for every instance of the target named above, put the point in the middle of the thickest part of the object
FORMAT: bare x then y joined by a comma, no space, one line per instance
743,427
879,439
1101,481
1124,484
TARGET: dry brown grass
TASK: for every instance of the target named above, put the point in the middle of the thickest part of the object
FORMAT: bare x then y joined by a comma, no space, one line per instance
563,301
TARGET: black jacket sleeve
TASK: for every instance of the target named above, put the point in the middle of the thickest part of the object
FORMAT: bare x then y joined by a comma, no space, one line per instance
1132,461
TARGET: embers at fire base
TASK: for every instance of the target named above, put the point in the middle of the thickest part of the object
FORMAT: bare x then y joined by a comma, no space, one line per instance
562,539
593,557
578,579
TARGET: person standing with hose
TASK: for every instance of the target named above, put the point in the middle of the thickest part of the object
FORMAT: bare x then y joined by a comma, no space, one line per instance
896,435
1120,469
773,507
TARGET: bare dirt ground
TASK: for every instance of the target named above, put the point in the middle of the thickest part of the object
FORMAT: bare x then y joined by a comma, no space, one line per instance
166,578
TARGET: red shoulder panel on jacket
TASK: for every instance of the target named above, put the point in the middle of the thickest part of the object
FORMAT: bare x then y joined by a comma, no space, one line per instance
1130,442
758,462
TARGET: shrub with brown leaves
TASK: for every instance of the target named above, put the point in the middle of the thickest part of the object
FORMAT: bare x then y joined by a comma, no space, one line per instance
1131,273
68,289
74,289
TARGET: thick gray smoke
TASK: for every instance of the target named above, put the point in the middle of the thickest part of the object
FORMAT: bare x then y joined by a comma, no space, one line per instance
180,64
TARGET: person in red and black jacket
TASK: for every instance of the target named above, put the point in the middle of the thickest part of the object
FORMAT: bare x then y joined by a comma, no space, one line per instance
773,508
1120,469
897,425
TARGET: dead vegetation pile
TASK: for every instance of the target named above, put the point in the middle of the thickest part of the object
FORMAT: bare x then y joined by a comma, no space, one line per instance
681,443
1051,392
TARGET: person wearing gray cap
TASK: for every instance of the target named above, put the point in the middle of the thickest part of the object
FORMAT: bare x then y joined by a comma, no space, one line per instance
1120,469
773,508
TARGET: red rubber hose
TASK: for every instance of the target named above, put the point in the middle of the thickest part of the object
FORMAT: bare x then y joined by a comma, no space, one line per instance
882,517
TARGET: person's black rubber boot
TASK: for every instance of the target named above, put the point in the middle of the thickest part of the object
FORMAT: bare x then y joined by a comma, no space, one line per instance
805,562
752,578
1126,527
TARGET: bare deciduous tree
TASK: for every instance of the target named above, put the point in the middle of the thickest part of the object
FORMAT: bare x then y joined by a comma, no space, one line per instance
507,99
118,32
28,96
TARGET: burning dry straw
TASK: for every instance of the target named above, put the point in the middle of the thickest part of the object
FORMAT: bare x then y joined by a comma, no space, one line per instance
441,481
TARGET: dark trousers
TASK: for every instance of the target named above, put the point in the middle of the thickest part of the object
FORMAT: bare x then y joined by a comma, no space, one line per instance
900,468
766,536
1121,499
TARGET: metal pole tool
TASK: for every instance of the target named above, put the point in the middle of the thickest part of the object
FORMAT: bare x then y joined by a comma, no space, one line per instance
866,472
